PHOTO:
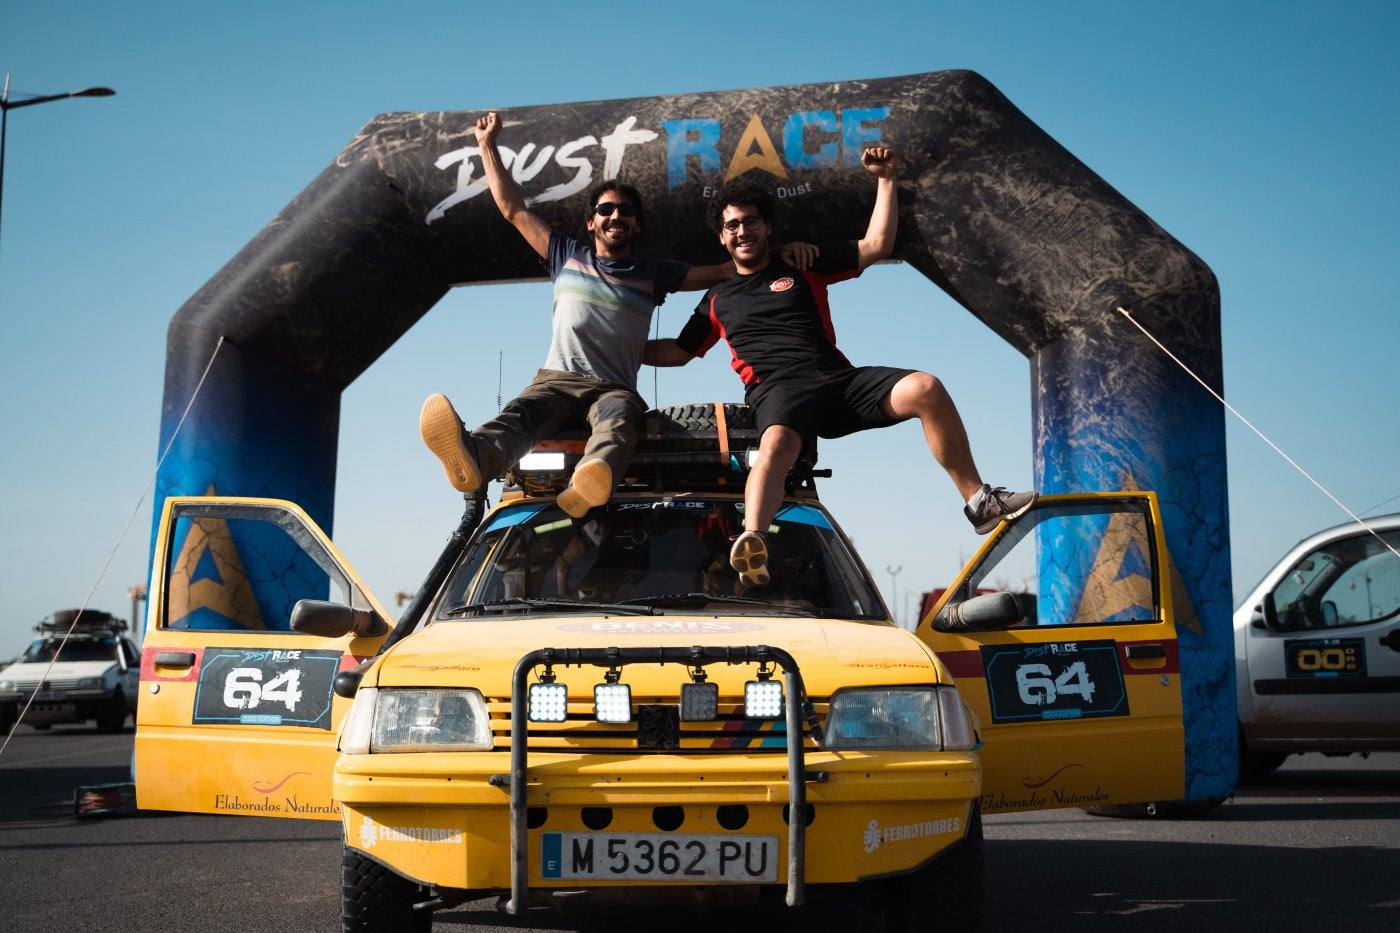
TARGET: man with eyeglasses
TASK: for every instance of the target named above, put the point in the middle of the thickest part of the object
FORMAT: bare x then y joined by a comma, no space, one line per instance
603,301
778,324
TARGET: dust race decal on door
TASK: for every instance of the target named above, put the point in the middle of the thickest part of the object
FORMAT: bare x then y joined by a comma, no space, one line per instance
266,687
1055,680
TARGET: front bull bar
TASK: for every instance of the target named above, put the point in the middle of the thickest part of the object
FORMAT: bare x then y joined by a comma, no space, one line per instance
796,704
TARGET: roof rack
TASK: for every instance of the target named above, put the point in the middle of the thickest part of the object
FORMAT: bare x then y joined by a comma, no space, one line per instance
88,622
703,447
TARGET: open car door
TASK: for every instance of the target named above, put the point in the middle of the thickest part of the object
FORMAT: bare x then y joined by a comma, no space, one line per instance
1061,638
237,713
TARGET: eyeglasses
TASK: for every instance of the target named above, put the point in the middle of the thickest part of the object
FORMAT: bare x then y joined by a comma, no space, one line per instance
606,208
748,223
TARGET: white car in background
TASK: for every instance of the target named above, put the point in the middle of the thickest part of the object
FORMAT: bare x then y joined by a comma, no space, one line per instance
1317,649
81,668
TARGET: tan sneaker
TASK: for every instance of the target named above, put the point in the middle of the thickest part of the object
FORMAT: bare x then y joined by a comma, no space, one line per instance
749,556
591,484
447,438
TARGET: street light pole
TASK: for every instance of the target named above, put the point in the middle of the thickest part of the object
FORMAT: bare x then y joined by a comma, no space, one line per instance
6,105
894,590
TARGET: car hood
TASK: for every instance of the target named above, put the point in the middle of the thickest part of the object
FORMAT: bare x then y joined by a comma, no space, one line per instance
830,653
35,671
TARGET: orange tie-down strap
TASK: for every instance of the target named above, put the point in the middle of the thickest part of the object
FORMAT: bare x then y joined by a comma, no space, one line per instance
722,432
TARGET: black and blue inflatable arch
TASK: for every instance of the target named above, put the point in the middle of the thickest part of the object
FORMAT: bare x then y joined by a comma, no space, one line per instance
992,210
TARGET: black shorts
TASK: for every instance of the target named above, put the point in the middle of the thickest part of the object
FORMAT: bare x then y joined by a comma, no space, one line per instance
830,403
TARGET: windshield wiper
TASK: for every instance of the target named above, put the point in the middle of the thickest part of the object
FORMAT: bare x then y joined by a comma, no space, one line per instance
700,599
565,605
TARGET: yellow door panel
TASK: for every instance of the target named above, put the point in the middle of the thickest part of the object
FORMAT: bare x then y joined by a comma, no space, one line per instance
237,711
1074,676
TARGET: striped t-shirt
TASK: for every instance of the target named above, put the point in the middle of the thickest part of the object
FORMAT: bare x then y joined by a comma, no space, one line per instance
602,308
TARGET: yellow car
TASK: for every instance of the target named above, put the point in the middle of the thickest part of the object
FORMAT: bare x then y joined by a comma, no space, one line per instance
597,711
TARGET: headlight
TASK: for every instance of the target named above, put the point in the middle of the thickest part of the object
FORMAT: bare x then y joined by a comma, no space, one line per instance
7,685
416,720
898,718
89,683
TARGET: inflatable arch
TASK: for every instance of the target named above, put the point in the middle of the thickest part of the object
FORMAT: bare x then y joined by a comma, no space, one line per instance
992,210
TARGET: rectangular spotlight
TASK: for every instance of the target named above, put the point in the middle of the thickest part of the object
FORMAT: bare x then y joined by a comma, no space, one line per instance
763,699
549,702
543,461
699,702
612,702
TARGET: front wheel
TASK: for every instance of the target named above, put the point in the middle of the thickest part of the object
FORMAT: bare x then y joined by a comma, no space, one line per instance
1256,766
946,893
111,718
376,899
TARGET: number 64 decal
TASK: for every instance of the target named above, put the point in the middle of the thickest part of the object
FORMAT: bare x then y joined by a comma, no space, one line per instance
244,689
1054,680
1040,686
266,687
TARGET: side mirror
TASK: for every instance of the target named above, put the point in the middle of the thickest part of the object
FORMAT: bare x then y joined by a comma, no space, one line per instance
987,612
332,620
347,683
1270,610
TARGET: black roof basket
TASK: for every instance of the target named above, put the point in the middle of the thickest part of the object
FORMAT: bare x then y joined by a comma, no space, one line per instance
701,447
88,622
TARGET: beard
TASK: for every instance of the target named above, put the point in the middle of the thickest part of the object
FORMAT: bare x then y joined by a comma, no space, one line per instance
614,237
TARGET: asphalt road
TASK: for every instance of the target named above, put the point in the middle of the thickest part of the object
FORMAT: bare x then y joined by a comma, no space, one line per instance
1318,847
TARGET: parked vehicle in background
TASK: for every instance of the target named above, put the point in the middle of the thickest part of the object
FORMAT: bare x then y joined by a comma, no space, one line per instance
1317,649
81,668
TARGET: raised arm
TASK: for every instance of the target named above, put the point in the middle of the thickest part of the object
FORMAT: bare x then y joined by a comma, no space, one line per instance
878,241
509,198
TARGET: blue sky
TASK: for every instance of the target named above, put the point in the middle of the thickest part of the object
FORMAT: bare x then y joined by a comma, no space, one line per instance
1263,136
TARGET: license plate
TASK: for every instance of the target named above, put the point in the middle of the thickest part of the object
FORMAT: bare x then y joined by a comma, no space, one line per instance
674,857
48,696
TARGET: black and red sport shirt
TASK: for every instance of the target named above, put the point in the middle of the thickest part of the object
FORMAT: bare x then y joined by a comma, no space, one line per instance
775,318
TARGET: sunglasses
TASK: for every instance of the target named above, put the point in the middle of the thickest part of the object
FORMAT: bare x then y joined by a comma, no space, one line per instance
606,208
748,223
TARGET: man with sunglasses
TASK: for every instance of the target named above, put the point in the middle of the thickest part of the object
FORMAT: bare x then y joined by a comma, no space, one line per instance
603,301
800,386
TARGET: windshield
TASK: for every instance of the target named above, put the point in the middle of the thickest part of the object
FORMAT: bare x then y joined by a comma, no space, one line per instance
1354,581
78,649
665,554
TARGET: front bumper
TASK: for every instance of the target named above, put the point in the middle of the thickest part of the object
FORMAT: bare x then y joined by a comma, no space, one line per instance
445,820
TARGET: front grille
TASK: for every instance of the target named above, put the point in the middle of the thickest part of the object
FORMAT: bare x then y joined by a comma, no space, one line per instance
31,685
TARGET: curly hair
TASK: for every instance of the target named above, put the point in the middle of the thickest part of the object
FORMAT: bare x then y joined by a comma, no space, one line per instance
628,193
745,193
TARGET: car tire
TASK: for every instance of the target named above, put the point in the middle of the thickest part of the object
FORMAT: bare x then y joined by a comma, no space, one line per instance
944,894
376,899
111,718
1256,766
694,427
